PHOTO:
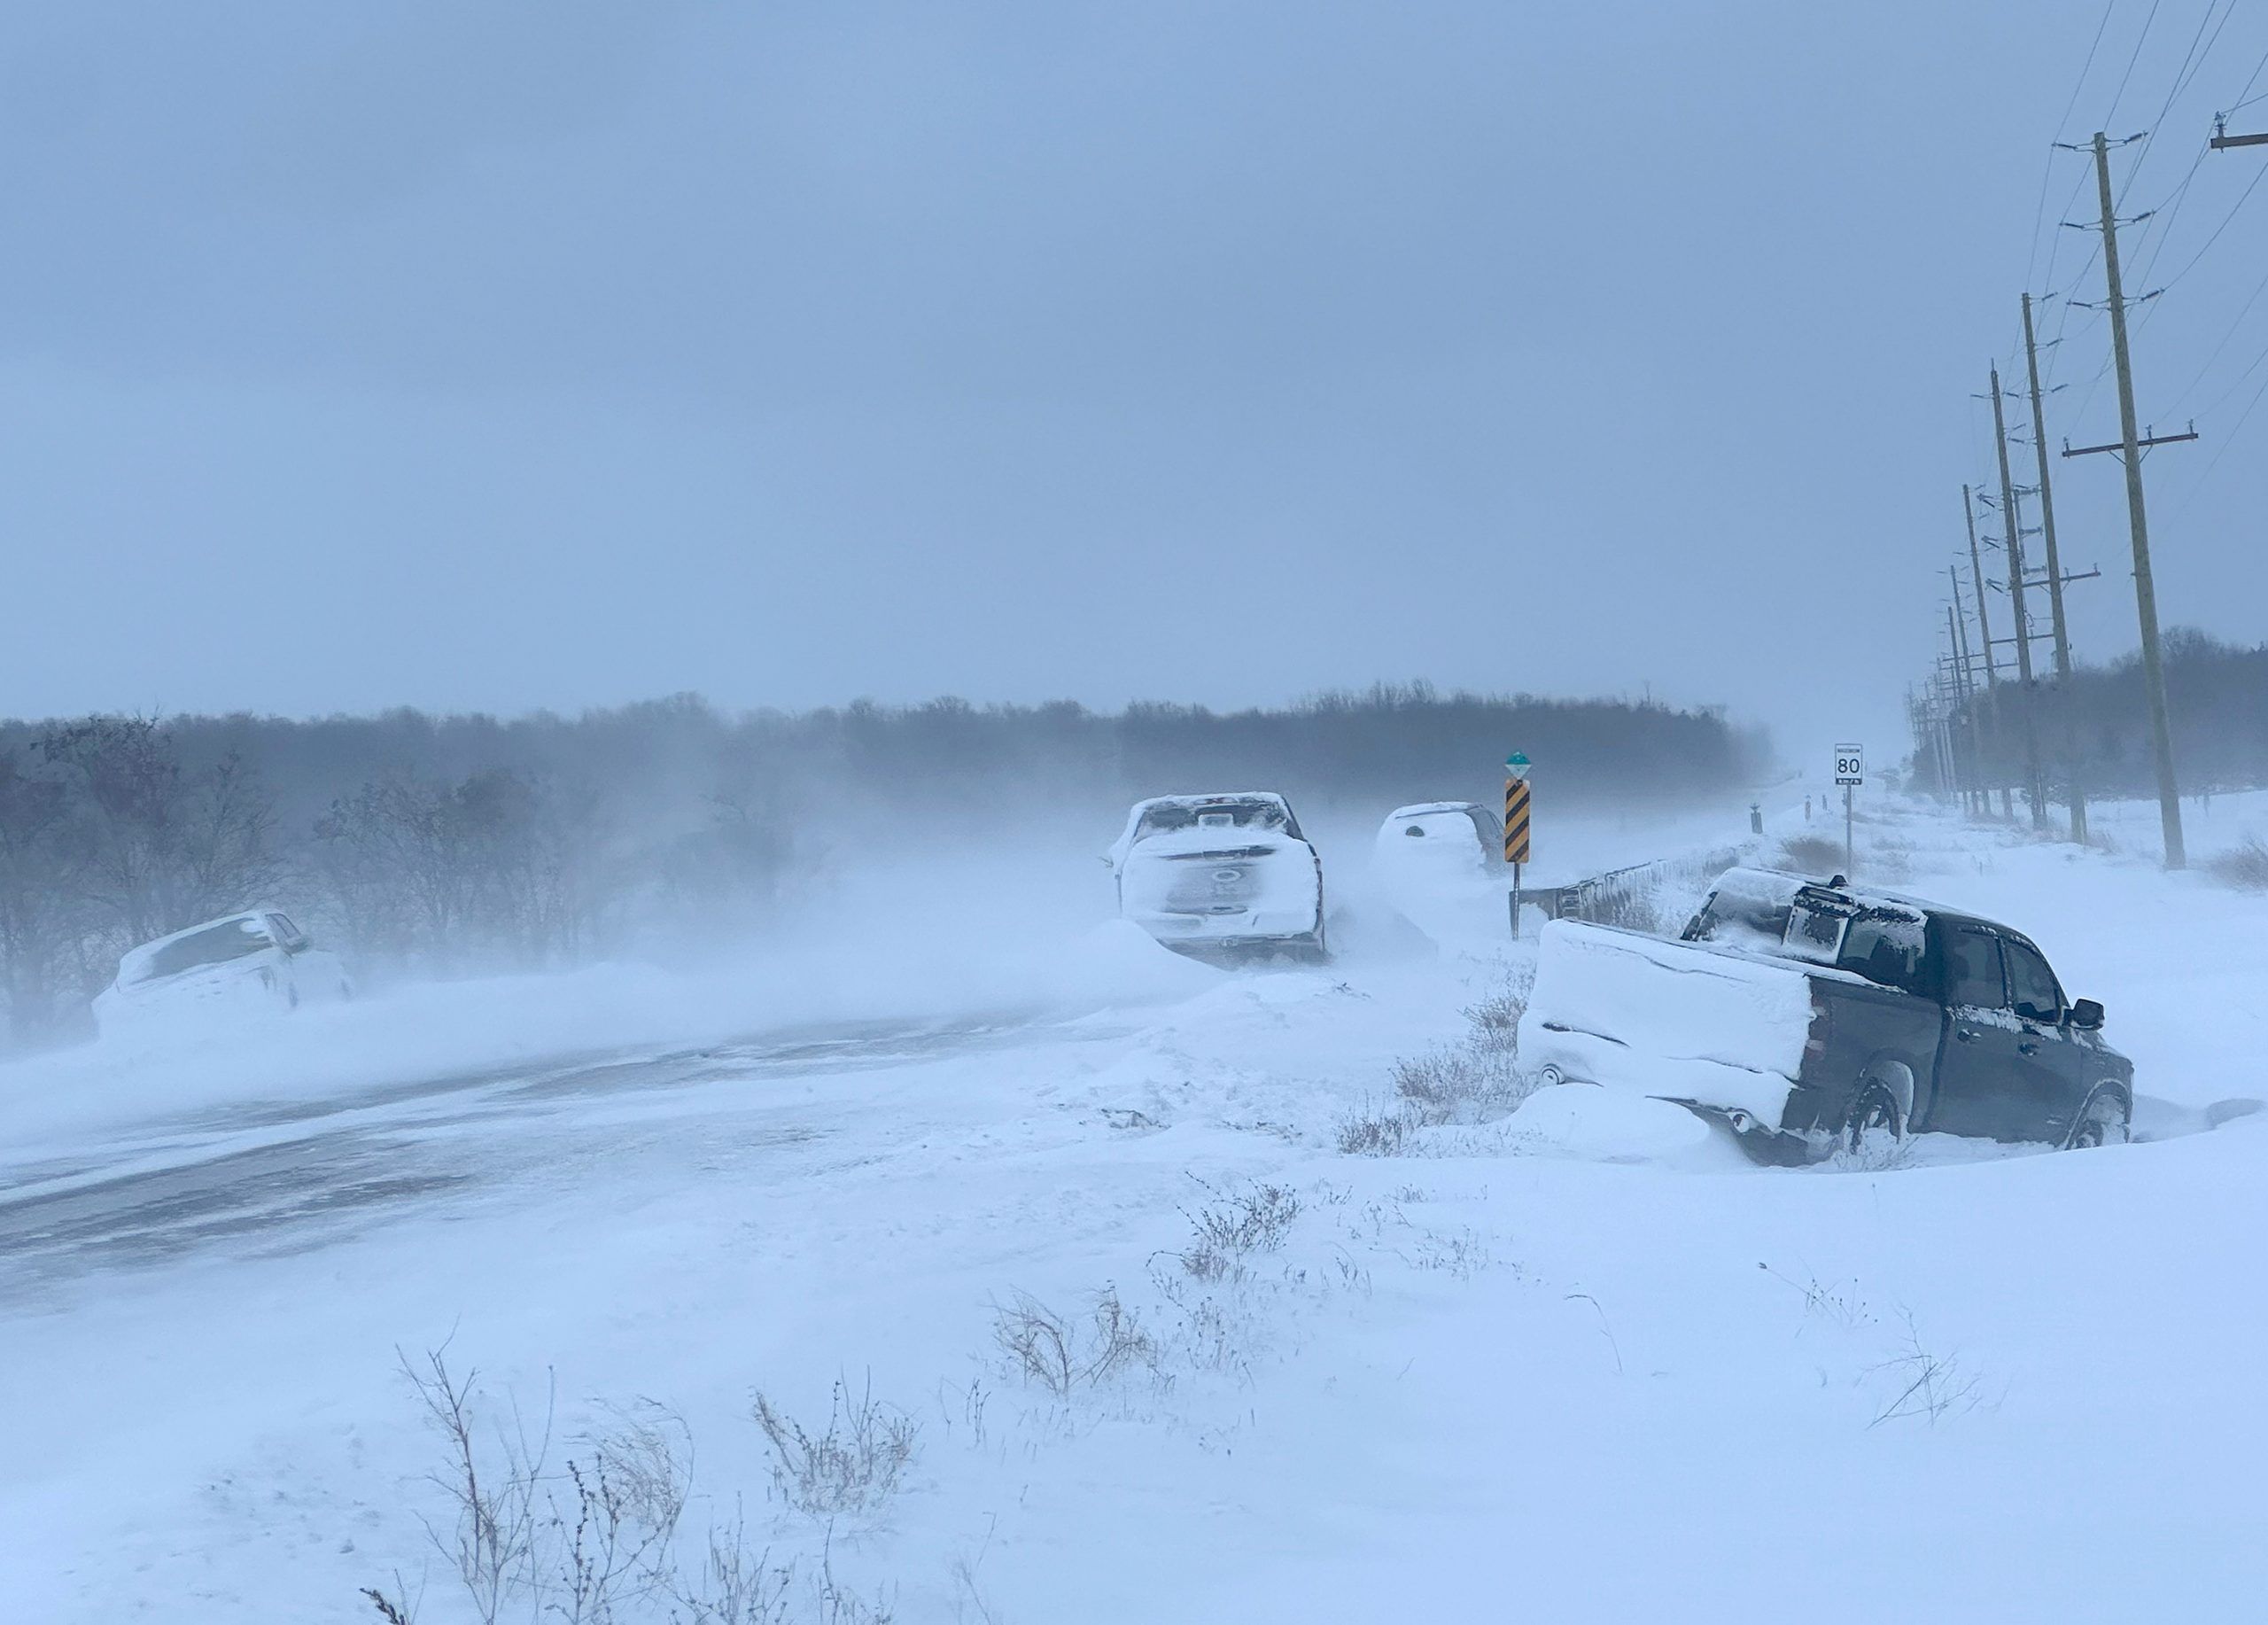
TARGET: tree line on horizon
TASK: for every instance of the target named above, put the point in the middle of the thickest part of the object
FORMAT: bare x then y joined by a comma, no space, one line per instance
428,844
2094,731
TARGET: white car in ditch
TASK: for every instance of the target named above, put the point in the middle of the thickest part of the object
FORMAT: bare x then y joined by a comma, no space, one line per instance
1439,865
245,966
1227,875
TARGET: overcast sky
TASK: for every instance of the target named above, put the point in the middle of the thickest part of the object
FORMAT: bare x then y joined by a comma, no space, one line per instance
504,356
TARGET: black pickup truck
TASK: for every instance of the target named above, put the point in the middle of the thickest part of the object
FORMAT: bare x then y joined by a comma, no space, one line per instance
1806,1014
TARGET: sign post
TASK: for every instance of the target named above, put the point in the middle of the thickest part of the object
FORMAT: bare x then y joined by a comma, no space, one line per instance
1516,822
1850,771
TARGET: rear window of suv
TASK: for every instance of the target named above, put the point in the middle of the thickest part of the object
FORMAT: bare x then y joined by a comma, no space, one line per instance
216,944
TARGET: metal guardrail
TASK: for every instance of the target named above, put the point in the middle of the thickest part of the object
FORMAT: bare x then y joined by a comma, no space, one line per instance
1626,896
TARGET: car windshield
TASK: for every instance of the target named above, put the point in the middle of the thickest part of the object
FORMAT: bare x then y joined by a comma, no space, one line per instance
216,944
1213,815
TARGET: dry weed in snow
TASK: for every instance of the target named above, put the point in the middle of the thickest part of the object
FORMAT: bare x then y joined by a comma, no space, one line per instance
1923,1385
1234,1225
1375,1130
853,1468
2244,867
1054,1352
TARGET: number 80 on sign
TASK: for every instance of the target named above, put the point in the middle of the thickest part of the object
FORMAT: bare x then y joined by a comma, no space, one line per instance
1850,765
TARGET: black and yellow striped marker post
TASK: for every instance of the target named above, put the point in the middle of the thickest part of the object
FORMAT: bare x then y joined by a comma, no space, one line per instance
1516,825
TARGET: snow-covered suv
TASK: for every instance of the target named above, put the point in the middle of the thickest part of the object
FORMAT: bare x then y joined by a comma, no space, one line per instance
242,965
1227,874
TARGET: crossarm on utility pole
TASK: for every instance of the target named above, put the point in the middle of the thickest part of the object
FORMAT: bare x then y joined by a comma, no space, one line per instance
2142,443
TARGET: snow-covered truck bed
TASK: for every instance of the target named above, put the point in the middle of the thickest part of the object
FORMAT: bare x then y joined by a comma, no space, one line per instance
1696,1024
1798,1013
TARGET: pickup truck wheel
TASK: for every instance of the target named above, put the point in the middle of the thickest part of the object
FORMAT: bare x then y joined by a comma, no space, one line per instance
1874,1111
2105,1120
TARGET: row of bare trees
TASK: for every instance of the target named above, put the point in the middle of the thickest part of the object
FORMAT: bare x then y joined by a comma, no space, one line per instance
106,841
451,845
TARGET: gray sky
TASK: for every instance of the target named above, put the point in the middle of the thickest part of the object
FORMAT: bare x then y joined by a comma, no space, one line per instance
500,356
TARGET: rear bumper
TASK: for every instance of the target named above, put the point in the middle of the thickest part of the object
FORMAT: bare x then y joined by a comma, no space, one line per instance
1259,926
1774,1148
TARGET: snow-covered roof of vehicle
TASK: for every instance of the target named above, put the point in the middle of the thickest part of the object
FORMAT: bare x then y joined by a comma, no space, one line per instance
1213,798
1423,808
1193,803
1782,884
134,965
202,925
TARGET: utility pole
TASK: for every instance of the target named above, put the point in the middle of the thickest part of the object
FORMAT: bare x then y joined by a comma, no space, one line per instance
1968,684
1960,698
2016,598
2046,504
2055,580
1984,635
2130,448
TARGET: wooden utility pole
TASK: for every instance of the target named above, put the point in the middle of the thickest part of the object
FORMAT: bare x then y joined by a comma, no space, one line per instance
2055,580
1967,685
2016,599
1985,637
1955,777
2046,505
2130,448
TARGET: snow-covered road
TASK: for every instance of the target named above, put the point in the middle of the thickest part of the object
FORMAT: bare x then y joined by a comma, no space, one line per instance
1582,1362
261,1176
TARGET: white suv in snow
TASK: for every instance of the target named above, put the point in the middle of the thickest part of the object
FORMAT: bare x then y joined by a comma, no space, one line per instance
247,964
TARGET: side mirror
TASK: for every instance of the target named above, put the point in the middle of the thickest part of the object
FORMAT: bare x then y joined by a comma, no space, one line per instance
2087,1016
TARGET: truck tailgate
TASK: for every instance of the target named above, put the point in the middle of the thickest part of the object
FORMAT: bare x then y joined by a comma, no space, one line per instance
1676,1019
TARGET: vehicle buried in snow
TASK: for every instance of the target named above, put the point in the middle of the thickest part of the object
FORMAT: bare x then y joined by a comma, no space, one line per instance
1804,1015
1440,866
1222,876
241,966
1453,841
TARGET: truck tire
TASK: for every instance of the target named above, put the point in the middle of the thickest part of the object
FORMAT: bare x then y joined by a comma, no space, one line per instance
2107,1119
1874,1110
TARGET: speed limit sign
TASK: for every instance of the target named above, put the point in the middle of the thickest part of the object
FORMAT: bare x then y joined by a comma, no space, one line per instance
1850,765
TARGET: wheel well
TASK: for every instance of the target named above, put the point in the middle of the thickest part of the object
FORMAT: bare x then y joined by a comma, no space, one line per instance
1896,1077
2111,1085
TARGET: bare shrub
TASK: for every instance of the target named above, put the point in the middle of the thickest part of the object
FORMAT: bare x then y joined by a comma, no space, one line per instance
1459,1253
736,1586
1375,1130
851,1469
1812,854
1052,1351
1495,1020
1234,1225
1464,1084
2244,867
613,1527
492,1544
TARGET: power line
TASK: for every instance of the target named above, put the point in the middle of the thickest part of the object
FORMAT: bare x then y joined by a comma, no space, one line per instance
2221,344
2119,94
2047,170
2227,439
2215,237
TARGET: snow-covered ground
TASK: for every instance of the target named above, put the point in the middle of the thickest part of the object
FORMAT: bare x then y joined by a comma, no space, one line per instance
1580,1363
2209,824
